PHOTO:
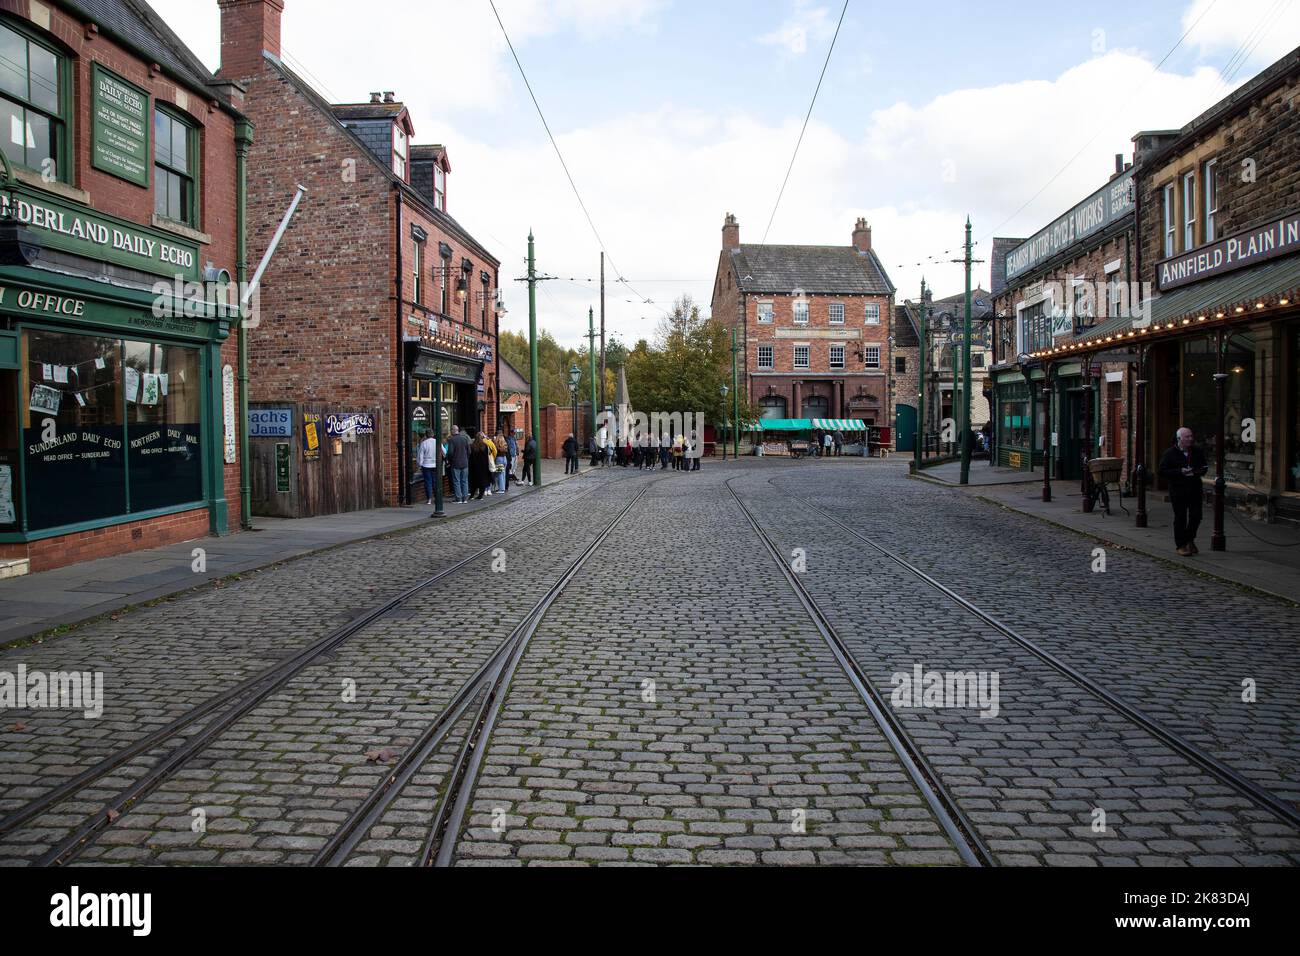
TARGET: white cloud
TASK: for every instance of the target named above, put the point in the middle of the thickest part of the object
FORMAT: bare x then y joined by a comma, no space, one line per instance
806,26
1263,30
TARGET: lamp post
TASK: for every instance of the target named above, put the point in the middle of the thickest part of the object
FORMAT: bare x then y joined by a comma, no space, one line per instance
438,457
575,375
735,400
722,390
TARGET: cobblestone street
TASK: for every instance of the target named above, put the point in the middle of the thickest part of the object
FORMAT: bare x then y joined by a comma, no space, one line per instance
653,688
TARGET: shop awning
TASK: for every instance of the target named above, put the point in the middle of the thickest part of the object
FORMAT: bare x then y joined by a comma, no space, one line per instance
783,425
839,424
1235,295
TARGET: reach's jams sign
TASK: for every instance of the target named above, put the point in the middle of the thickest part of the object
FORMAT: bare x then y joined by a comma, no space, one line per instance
1102,209
1250,247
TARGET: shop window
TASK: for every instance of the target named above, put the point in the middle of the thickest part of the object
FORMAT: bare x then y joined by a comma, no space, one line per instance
10,449
175,165
1015,420
72,428
33,112
1035,327
1200,404
162,391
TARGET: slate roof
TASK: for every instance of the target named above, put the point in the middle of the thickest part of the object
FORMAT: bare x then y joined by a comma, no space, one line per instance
906,329
365,111
998,266
511,380
817,270
140,27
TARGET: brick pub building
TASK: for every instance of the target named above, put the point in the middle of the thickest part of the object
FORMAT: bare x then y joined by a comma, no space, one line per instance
813,325
120,173
375,289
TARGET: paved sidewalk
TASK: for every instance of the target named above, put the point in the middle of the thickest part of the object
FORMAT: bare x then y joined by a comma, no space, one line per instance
1265,557
981,473
37,602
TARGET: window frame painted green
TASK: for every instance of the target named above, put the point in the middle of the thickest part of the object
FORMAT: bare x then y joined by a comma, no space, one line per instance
193,155
62,152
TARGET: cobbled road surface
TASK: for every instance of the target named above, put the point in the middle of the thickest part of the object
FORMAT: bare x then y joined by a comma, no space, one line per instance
677,705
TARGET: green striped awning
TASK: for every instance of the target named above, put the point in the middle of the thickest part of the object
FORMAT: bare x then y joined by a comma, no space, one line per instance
783,425
839,424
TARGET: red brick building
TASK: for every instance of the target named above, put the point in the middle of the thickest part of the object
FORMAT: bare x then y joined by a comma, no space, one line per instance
813,326
376,288
119,186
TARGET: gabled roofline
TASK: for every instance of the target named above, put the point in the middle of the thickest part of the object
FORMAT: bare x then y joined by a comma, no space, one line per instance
409,193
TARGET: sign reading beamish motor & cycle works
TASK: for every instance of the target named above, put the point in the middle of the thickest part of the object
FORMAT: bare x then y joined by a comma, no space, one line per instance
1100,210
1248,248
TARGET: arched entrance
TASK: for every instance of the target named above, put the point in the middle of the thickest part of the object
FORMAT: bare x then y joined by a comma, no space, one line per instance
773,406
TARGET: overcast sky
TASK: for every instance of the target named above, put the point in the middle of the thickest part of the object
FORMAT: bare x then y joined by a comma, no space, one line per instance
671,114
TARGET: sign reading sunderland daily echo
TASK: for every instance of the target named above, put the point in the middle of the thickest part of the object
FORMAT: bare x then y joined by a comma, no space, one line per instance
1251,247
1103,208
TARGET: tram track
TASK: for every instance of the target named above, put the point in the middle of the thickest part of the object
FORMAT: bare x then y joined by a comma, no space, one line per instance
1196,755
226,708
958,827
487,686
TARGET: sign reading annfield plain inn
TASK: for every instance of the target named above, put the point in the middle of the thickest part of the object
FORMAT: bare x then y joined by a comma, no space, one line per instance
120,127
1096,213
1248,248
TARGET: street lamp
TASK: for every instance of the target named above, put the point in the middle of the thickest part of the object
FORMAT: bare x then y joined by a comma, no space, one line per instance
723,390
575,374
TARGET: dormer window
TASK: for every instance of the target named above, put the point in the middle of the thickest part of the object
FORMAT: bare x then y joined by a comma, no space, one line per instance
401,146
439,188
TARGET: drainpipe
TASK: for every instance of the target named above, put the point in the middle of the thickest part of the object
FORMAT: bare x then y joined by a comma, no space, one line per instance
243,142
403,391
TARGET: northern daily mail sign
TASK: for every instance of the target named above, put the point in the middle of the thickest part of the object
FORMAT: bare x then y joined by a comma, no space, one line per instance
1251,247
1102,209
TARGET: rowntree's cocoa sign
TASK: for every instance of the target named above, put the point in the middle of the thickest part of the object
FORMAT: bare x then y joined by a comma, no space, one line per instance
1238,251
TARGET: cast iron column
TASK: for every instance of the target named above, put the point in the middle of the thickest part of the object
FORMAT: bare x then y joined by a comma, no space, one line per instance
1140,468
1218,542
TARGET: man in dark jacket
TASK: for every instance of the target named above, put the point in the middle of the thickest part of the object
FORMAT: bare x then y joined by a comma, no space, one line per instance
570,455
458,461
530,454
1182,467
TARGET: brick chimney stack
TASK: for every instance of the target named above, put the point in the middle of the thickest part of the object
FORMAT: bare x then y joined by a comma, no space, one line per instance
862,236
248,28
730,232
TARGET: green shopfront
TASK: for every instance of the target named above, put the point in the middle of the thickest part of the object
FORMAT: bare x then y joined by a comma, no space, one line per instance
111,393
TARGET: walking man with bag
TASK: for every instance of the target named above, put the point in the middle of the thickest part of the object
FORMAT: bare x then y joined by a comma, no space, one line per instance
1182,466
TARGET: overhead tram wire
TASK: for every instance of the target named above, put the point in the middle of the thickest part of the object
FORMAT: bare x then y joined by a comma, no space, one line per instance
1070,162
806,118
565,166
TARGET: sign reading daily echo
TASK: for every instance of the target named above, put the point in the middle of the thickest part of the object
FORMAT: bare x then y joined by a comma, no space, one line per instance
1251,247
121,127
75,229
1102,209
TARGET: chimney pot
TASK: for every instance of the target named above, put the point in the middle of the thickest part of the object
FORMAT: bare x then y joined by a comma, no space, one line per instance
388,96
862,235
375,97
730,232
249,29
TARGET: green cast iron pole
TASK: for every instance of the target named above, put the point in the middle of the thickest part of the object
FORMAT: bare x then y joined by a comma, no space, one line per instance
735,399
965,373
534,387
